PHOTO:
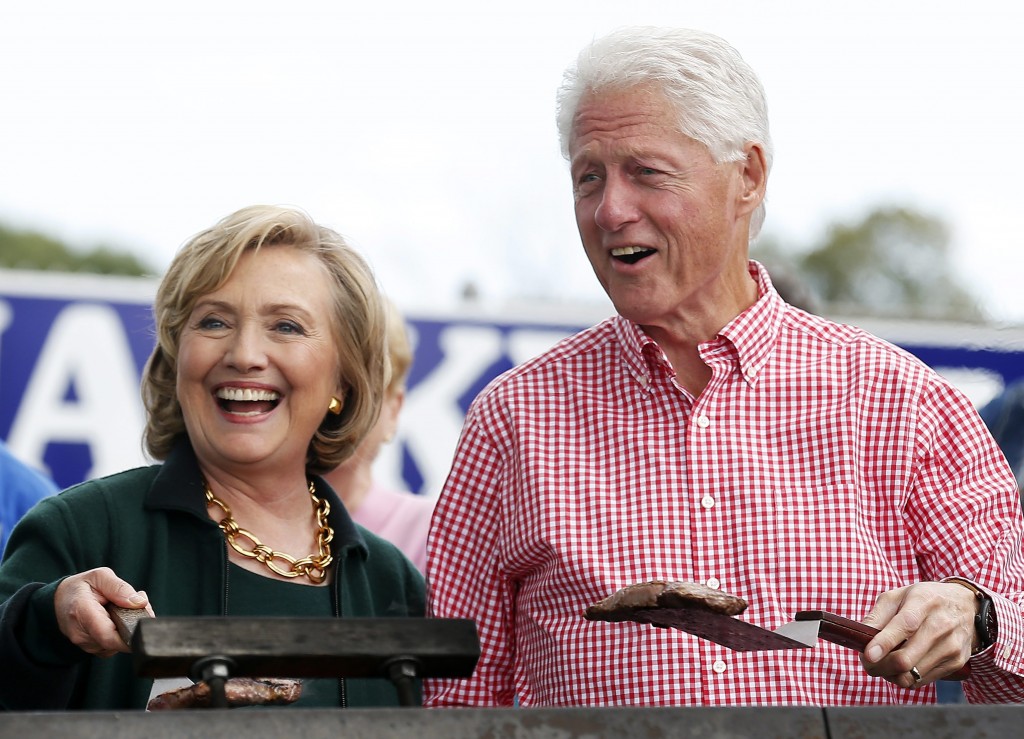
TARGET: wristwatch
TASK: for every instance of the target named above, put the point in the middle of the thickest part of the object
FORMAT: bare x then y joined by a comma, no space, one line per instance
985,619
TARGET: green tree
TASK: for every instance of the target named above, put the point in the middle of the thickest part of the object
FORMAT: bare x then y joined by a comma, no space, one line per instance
895,262
32,250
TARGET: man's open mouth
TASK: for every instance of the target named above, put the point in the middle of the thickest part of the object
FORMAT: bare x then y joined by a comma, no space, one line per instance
631,254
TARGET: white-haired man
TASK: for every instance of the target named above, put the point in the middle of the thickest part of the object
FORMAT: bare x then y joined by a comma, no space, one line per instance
712,433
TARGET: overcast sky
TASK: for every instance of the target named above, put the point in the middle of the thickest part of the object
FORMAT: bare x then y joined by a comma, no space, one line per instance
425,131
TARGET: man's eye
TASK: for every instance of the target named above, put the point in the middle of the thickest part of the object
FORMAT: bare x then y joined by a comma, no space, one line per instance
587,182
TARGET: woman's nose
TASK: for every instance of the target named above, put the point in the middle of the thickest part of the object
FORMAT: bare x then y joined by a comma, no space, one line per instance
246,352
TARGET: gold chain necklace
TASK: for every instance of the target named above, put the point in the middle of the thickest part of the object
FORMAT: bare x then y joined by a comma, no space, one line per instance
314,566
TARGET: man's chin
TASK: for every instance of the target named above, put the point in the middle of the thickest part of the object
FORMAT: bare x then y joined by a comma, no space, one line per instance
634,307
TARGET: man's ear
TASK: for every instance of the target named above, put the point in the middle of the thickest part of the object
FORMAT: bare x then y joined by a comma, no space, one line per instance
754,174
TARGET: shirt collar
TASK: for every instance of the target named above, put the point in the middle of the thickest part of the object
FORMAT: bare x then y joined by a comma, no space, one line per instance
748,339
753,333
640,352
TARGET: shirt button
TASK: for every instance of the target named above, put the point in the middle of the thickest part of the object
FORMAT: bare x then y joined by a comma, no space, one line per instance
719,666
703,421
1006,653
751,372
708,502
713,583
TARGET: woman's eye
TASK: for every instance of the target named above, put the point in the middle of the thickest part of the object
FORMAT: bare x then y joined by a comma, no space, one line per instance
289,327
210,323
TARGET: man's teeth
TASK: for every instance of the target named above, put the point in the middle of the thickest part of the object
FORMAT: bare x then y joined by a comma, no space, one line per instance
246,394
625,251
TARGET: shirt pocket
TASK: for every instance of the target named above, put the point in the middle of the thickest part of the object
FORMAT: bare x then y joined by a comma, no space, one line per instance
826,557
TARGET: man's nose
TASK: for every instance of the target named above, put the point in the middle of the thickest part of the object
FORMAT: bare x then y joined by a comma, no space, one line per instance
617,206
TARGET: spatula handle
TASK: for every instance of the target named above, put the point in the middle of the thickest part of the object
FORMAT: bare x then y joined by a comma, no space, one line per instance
854,635
126,619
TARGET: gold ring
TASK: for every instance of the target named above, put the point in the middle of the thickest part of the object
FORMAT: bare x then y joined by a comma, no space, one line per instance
914,673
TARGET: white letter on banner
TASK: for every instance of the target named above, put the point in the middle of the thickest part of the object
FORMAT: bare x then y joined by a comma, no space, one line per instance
432,419
5,315
87,349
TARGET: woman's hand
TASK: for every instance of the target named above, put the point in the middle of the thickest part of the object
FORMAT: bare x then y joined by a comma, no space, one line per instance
80,603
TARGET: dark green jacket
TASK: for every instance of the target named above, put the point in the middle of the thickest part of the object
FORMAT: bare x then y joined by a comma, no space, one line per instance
149,525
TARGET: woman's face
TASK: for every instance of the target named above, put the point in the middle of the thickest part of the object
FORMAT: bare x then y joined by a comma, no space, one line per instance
258,363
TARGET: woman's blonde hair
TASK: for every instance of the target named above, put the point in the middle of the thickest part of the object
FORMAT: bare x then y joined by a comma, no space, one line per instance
206,261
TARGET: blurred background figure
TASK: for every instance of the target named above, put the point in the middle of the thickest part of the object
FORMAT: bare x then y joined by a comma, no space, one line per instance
1004,416
401,517
793,288
21,487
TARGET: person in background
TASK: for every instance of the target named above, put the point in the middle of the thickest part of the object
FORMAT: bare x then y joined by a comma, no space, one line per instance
268,371
1004,415
397,515
711,433
21,487
792,288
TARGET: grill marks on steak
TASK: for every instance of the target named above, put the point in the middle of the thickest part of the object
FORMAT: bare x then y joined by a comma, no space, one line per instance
627,603
240,691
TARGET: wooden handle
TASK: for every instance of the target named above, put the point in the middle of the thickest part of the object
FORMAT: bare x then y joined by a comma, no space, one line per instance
854,635
126,619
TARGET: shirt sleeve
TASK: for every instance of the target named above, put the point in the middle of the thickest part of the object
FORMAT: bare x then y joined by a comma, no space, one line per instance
464,572
964,511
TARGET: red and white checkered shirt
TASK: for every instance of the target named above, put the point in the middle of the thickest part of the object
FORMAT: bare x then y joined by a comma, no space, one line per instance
820,467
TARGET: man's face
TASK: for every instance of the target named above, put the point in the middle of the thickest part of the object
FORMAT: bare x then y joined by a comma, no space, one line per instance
663,224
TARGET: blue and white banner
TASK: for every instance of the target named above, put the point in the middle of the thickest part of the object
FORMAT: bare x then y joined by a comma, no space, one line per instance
72,349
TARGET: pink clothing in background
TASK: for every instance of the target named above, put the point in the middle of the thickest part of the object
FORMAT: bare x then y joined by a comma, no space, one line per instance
400,517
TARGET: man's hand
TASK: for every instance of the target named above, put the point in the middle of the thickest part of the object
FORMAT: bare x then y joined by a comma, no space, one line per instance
80,604
927,627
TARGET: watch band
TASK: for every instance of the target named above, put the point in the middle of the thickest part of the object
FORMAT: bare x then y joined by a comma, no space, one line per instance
984,617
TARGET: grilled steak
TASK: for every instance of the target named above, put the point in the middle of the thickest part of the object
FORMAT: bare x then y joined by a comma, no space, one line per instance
240,691
627,603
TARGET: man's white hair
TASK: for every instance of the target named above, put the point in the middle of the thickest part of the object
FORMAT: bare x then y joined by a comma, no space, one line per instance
718,99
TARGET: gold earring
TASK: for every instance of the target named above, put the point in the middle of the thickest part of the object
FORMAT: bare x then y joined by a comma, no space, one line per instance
334,406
